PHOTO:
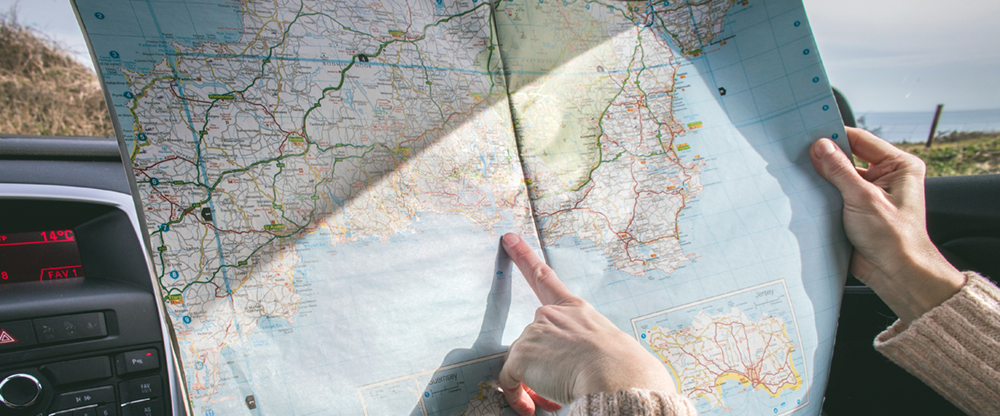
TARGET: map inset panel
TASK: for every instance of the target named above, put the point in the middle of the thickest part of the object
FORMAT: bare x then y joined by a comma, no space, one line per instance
738,353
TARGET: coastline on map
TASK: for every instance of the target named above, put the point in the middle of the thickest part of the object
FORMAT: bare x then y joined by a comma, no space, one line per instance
914,126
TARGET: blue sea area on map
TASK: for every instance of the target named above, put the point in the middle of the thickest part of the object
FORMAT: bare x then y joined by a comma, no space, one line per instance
142,32
743,400
137,35
365,305
448,392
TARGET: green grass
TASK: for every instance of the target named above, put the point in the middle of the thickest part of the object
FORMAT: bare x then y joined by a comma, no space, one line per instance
959,154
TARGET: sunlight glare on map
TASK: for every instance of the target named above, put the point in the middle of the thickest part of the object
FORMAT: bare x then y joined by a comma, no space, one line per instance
324,188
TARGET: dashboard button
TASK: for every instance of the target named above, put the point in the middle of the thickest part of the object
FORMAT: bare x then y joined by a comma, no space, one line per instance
141,388
147,408
87,397
68,372
86,412
107,410
70,327
135,361
16,334
20,391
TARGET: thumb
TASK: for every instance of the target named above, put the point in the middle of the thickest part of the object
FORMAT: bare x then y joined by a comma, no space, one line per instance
513,390
833,165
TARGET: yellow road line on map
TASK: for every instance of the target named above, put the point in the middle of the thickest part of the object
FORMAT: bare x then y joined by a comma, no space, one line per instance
262,27
238,208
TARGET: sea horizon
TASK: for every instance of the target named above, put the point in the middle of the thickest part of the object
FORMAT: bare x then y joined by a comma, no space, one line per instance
914,126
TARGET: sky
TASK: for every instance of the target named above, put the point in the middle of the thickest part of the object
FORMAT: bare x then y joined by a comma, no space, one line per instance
885,55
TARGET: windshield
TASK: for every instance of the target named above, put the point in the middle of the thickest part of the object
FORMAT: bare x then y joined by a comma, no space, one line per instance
897,60
894,60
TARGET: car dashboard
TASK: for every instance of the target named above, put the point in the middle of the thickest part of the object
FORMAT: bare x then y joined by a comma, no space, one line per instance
82,329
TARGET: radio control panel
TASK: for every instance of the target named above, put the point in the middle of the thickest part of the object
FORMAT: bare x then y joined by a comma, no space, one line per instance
82,326
113,383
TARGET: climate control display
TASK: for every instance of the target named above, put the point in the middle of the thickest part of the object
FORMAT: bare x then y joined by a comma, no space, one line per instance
39,256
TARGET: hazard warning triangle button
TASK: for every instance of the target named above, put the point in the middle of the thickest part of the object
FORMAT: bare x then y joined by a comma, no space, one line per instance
16,335
5,337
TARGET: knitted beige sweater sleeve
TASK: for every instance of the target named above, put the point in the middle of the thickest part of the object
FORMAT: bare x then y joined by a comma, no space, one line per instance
633,402
954,348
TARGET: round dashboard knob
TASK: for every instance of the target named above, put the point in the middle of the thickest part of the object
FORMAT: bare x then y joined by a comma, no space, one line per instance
19,391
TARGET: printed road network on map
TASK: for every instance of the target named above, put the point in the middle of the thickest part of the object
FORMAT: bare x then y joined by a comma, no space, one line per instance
594,113
738,344
308,173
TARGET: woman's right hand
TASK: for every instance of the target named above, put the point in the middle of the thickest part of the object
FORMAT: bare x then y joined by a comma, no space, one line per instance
884,217
570,350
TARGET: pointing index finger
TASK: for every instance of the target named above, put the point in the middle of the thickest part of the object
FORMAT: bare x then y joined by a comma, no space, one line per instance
540,276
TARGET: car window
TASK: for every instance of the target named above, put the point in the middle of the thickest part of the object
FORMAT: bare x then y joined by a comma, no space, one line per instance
46,89
896,60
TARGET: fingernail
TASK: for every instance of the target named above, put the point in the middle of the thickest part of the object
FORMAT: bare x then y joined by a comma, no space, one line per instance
825,148
510,240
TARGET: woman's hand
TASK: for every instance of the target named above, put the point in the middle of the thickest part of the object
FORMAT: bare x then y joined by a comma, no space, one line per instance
885,220
570,350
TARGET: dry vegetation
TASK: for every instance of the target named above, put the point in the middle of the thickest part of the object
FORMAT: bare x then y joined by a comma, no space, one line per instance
43,90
